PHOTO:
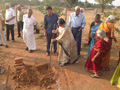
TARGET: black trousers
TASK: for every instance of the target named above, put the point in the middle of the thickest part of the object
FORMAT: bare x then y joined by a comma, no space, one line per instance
20,26
78,37
49,37
10,29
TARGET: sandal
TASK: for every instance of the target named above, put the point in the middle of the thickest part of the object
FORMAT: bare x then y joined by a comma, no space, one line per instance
105,69
94,76
63,64
76,61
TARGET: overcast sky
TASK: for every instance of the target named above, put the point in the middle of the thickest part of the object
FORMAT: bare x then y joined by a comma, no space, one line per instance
116,2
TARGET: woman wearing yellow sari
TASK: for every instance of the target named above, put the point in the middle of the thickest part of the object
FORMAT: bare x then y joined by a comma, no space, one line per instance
108,27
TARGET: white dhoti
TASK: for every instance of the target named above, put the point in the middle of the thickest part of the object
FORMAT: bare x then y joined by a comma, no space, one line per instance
2,37
28,32
29,41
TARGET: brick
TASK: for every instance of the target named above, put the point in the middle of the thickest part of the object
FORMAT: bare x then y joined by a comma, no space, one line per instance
18,60
19,64
19,67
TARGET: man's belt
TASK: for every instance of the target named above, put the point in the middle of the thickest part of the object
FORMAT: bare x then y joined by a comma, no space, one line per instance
76,27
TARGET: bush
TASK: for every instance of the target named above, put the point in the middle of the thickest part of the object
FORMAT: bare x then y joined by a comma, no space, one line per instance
42,24
56,10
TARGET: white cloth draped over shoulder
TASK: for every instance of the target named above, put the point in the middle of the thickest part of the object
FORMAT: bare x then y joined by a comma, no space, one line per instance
28,32
68,42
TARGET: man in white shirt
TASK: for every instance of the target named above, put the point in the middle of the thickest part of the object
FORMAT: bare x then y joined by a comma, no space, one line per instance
9,21
2,35
77,21
28,31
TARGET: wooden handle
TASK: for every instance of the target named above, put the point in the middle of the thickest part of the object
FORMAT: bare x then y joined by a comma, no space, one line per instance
54,26
7,77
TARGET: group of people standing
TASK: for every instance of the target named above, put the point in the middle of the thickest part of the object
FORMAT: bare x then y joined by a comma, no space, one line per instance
9,22
25,23
100,42
69,38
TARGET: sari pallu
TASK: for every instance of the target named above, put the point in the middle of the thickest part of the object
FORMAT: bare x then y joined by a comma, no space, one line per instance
67,46
105,61
108,28
102,46
92,36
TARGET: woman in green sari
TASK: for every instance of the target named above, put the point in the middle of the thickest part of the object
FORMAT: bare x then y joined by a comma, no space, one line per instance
116,77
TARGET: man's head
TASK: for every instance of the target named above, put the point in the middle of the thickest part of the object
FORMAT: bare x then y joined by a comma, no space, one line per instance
19,7
30,12
61,22
7,5
77,10
49,10
81,10
97,18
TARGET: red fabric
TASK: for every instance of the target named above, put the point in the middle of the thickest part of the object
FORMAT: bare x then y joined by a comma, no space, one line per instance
51,15
99,45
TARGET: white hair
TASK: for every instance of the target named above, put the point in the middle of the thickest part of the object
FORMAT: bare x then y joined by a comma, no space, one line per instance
102,34
110,18
77,7
7,4
82,9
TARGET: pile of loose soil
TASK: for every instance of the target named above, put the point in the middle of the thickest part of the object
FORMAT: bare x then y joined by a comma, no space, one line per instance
37,76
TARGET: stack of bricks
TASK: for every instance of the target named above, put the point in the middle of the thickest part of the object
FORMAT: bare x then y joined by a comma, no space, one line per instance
19,63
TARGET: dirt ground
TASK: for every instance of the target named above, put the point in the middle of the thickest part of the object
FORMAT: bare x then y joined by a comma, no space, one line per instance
71,77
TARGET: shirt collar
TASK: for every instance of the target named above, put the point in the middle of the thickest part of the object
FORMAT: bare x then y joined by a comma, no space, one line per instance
49,15
8,9
75,14
28,17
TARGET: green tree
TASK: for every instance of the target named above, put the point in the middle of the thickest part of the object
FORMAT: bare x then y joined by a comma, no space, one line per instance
70,3
103,3
87,4
23,2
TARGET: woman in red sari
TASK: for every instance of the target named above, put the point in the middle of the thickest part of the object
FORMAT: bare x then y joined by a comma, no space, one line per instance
98,51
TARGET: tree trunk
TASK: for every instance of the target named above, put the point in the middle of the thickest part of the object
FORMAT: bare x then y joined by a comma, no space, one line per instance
103,7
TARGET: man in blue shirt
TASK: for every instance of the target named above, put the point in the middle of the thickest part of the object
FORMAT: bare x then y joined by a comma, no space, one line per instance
50,23
77,21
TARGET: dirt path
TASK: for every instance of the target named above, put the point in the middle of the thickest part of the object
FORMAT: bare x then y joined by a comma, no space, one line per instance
72,77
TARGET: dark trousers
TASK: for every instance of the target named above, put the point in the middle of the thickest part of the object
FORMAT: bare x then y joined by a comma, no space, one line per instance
49,37
78,37
10,28
20,26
